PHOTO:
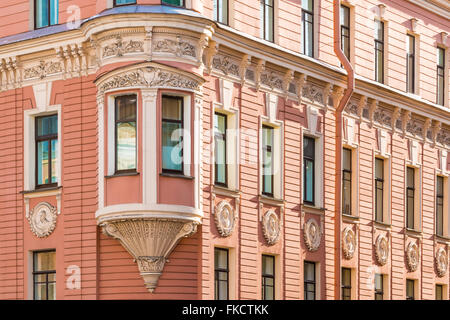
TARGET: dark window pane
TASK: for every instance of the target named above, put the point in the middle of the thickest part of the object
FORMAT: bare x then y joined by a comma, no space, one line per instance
439,292
121,2
221,274
309,181
410,289
47,125
44,277
379,168
54,152
410,177
178,3
347,159
267,150
220,127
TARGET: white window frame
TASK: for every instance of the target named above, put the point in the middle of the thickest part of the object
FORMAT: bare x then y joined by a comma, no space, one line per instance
417,195
355,178
318,167
387,185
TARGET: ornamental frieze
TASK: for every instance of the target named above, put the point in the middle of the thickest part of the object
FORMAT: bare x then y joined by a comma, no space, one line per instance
348,242
414,127
42,70
120,47
412,255
312,235
441,260
382,249
271,227
42,219
271,80
313,93
225,218
383,117
226,65
177,47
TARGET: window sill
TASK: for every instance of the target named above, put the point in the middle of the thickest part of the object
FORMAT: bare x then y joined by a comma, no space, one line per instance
382,225
349,217
310,208
413,232
442,239
124,174
175,175
41,190
224,191
271,201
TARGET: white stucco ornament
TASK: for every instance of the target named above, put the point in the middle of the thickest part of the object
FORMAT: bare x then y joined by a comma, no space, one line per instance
312,234
271,227
42,219
348,243
441,262
225,218
412,256
382,249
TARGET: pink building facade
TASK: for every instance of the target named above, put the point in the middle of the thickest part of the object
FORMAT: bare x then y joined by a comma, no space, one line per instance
214,149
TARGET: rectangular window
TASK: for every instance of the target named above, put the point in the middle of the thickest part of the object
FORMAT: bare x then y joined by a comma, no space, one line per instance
221,274
379,189
125,133
379,51
310,280
220,148
267,154
46,13
46,150
347,181
379,290
346,284
172,134
308,169
410,199
410,289
440,68
410,63
221,11
44,275
440,205
439,292
176,3
345,31
123,2
268,277
267,19
308,27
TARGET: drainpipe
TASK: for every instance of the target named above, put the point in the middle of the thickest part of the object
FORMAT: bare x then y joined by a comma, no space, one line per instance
338,142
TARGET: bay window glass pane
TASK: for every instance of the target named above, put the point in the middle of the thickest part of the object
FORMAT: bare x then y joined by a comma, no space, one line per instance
42,162
172,146
178,3
54,152
126,146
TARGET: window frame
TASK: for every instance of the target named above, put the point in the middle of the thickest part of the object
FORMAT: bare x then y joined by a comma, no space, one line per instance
115,4
116,122
345,287
410,189
313,161
272,149
48,138
349,173
441,286
311,14
224,137
382,44
264,27
181,98
382,190
306,282
440,69
346,27
379,292
49,15
441,197
410,281
227,22
46,272
217,271
265,276
410,78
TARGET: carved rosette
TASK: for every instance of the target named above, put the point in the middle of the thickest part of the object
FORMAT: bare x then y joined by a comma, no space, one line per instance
441,262
412,256
348,243
149,241
312,234
271,227
382,249
42,219
225,218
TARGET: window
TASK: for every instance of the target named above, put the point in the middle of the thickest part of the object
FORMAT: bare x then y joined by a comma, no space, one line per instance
308,169
379,51
379,189
440,76
177,3
379,290
220,148
267,150
125,133
345,31
46,13
221,11
267,19
410,63
308,27
440,205
439,292
268,277
310,280
44,275
346,284
410,199
172,134
221,272
46,150
123,2
347,181
410,289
